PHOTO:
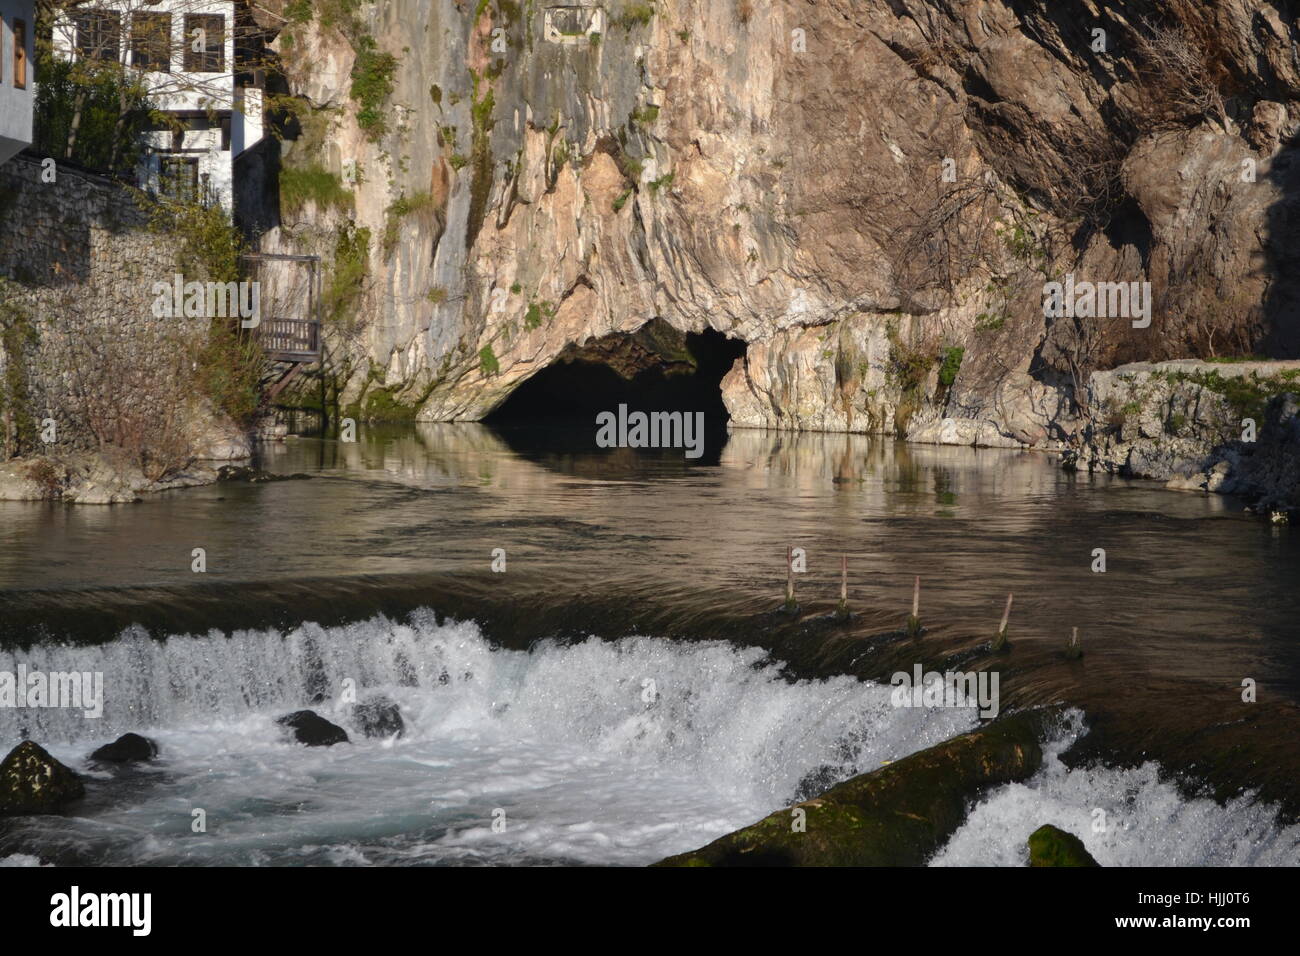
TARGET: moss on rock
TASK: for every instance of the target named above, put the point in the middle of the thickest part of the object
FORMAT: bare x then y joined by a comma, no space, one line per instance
898,815
1052,846
31,781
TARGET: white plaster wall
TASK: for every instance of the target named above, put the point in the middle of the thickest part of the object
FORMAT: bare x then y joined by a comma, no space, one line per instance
16,105
180,90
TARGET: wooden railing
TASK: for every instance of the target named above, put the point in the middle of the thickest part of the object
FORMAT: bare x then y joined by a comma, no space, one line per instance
294,339
290,340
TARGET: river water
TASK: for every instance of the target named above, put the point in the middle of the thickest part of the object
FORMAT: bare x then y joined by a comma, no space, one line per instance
624,690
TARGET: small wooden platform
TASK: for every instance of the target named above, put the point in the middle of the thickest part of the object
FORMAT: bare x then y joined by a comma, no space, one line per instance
292,333
290,340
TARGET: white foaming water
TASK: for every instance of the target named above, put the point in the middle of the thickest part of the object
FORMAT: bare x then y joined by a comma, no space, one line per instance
588,761
1147,822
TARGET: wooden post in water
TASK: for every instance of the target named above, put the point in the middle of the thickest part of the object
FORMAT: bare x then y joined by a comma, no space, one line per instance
842,612
790,604
1073,650
914,622
1000,642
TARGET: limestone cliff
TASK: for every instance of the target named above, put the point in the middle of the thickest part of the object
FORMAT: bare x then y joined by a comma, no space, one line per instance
871,195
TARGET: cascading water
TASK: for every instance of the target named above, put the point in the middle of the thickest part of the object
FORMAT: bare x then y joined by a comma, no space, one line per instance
1125,818
594,752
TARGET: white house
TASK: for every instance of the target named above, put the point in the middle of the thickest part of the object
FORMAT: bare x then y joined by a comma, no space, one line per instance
17,93
192,68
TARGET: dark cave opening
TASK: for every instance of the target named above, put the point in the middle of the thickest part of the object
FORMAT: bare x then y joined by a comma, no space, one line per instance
655,369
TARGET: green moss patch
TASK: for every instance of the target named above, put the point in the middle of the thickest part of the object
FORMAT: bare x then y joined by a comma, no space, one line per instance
372,83
480,158
1246,395
899,815
1051,846
313,184
951,366
346,278
398,210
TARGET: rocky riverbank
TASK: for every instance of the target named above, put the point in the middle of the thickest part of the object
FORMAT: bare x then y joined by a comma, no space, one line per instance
92,479
1226,428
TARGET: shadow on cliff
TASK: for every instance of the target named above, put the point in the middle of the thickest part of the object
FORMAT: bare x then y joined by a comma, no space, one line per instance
1281,242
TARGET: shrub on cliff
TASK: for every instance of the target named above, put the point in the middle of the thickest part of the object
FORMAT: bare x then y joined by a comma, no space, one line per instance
229,363
299,186
372,82
347,275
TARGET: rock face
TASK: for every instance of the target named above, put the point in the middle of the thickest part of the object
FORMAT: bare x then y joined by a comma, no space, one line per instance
1051,846
31,781
34,479
853,190
129,748
898,815
1199,426
1268,470
89,478
379,717
308,727
1156,421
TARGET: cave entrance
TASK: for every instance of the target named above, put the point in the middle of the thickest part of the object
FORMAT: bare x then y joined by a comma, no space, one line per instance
655,369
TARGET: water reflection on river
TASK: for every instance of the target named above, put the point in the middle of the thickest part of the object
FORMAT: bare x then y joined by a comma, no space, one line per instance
1190,583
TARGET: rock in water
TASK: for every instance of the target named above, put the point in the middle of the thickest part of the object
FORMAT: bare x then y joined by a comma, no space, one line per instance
31,781
379,717
129,748
254,475
313,730
1051,846
898,815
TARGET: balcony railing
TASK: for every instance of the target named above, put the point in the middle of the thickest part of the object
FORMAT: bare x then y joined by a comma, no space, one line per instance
294,334
290,340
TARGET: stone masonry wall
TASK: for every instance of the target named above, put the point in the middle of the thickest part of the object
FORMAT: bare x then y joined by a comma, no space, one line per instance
81,262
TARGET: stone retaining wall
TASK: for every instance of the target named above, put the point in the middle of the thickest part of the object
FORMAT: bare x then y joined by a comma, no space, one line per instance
81,262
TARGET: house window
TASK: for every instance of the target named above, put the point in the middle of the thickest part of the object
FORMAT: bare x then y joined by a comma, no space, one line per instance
20,54
205,43
180,178
99,34
151,41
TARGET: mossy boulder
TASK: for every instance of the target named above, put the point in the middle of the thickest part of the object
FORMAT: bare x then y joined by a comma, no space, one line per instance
31,781
1052,846
899,815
